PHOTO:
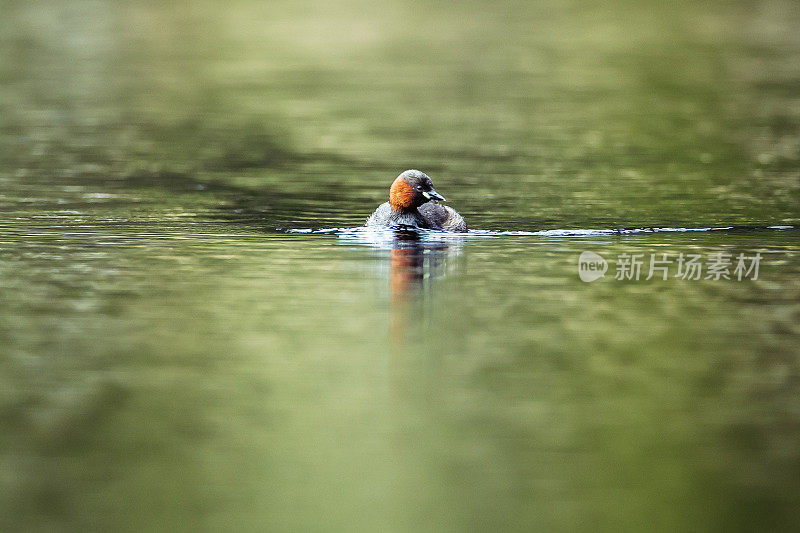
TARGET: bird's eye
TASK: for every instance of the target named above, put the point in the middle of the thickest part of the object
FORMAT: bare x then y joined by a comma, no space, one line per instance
419,187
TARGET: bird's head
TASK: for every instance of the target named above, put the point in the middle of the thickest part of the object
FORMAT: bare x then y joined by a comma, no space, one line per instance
411,189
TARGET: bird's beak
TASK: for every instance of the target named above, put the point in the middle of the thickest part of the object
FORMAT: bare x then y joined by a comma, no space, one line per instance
433,195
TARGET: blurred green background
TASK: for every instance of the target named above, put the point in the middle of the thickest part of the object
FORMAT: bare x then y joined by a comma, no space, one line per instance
172,360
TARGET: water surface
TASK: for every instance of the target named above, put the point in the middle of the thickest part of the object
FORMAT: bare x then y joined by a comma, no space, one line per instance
174,355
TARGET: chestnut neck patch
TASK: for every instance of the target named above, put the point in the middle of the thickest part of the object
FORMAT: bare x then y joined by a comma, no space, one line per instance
401,195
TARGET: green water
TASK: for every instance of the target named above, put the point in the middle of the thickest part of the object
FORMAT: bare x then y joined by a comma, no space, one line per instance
170,361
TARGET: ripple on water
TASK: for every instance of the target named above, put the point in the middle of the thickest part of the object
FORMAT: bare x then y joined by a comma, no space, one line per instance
389,236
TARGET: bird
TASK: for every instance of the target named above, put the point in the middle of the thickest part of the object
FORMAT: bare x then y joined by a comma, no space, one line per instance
414,202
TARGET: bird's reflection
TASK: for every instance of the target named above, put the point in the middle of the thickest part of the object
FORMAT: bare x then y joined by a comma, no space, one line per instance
415,268
417,261
416,265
